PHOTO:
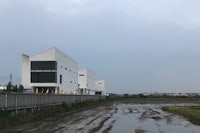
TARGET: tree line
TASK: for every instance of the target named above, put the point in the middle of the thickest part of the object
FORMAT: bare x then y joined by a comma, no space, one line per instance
14,88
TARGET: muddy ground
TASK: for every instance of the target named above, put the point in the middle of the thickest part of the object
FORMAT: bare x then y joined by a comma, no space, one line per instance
116,118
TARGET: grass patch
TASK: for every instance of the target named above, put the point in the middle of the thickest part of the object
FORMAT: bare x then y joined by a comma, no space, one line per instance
156,99
192,113
159,98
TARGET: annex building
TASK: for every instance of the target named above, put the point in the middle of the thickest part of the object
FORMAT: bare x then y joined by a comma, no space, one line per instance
86,82
100,86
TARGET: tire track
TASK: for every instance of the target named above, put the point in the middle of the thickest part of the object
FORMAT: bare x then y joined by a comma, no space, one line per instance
107,130
99,126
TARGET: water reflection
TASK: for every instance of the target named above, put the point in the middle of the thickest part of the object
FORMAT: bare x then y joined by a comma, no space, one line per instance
149,118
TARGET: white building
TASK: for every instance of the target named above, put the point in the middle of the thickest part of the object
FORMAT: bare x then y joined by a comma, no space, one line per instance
100,87
2,88
50,71
86,82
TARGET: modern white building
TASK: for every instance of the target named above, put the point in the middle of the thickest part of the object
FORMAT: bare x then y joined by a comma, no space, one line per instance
86,82
51,71
100,86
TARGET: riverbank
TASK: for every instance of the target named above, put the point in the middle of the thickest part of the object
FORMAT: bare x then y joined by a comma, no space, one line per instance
192,113
112,118
8,120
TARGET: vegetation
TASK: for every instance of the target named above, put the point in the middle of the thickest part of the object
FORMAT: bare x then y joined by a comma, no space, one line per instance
192,113
14,88
7,120
140,98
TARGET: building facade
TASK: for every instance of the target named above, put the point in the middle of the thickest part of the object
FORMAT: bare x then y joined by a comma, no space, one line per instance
100,86
86,82
50,71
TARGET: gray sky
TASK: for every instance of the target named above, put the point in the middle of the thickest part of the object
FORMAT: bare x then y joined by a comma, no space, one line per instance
135,45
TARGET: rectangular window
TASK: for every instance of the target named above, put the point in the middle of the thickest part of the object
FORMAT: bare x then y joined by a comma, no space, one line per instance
43,77
60,79
43,65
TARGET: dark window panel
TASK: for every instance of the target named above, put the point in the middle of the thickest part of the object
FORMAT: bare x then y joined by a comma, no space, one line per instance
60,79
43,65
43,77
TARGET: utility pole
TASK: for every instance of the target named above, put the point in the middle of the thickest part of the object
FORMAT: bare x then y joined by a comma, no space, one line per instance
11,78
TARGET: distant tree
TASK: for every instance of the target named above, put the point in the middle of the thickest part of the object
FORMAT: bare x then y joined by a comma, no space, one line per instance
141,96
20,88
126,95
9,86
14,88
134,96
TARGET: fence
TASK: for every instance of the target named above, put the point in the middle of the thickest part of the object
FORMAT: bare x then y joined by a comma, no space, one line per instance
16,101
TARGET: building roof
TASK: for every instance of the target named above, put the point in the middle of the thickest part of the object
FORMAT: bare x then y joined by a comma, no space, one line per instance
55,51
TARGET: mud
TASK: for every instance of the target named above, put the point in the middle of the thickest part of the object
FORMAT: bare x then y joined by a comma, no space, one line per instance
139,131
116,118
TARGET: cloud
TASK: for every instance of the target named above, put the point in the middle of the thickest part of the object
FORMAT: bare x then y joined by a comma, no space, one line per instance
139,39
4,5
184,13
179,12
65,7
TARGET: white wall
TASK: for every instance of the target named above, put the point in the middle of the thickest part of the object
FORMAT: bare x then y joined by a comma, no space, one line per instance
101,86
25,71
82,78
3,88
86,80
68,68
48,55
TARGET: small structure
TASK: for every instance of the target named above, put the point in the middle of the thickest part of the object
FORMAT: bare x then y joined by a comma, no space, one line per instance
100,87
86,82
50,71
2,88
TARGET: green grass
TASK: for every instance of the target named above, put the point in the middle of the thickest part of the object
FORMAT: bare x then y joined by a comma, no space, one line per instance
159,98
192,113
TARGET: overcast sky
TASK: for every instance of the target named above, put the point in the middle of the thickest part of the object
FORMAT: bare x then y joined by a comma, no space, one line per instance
135,45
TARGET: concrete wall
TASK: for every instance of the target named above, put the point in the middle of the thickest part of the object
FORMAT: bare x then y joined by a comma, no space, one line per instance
86,81
25,71
68,68
101,86
13,101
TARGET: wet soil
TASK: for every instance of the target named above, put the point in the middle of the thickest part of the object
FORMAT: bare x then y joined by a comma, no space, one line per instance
116,118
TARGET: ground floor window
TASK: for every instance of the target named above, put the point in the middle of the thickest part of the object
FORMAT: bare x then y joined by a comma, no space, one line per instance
49,90
43,77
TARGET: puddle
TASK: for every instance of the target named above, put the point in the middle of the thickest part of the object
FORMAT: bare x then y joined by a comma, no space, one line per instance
151,119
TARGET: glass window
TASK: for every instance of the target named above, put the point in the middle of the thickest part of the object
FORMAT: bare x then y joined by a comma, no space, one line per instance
43,77
60,79
43,65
